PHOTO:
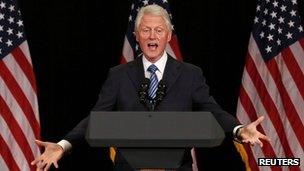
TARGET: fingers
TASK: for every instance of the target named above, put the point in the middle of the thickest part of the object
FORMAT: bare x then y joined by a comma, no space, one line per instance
252,142
40,143
265,138
36,161
258,121
56,164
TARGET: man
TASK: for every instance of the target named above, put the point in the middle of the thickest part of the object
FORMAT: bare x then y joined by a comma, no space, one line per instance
186,89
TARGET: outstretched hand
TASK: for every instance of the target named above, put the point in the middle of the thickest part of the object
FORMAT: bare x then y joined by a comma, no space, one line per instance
51,155
250,134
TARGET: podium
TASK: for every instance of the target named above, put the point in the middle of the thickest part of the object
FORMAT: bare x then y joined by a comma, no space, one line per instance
153,139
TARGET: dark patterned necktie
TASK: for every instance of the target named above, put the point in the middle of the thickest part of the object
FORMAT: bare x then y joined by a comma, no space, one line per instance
153,81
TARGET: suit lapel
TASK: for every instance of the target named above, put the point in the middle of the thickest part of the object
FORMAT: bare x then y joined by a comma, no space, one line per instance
171,73
136,72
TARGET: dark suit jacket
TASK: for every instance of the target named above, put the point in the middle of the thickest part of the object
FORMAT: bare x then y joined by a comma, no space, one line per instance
186,91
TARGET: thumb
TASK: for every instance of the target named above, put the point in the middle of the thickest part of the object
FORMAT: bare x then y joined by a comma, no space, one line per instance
258,121
40,143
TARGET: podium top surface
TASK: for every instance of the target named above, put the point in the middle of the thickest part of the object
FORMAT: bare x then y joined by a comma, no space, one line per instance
154,129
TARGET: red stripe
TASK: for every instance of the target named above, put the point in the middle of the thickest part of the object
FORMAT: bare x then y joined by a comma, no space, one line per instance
7,156
290,110
123,60
252,114
294,69
16,131
20,97
26,66
175,48
251,159
268,104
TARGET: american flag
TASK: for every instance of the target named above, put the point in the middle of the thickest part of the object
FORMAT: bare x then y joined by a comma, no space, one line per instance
131,48
273,83
19,119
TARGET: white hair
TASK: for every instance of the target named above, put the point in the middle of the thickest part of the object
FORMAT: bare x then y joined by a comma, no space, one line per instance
154,10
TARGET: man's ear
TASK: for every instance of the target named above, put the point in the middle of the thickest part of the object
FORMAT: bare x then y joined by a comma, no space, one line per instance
169,36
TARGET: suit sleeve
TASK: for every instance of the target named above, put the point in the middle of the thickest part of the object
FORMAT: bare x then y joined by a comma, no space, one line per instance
106,102
203,101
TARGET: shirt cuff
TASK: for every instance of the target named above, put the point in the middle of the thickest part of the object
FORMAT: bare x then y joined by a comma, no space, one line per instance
235,131
66,146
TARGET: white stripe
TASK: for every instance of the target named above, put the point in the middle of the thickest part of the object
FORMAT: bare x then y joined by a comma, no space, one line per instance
25,49
274,93
13,146
170,51
3,166
267,125
19,116
23,82
298,53
127,50
256,151
291,88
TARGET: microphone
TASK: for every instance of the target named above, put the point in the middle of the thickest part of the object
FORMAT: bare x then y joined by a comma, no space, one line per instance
161,92
143,91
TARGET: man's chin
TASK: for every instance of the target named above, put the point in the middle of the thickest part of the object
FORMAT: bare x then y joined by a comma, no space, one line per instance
153,57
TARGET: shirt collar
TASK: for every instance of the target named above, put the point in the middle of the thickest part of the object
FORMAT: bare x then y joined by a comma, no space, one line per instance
160,64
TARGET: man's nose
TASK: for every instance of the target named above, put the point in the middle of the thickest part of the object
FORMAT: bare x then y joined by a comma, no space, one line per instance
152,34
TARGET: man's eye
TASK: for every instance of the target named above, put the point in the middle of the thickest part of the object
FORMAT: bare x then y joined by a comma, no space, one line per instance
145,30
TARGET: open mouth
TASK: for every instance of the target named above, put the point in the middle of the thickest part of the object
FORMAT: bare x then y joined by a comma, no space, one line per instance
152,46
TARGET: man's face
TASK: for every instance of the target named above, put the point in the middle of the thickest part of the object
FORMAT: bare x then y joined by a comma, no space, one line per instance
153,35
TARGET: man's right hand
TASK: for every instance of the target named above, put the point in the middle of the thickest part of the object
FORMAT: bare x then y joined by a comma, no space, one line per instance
51,155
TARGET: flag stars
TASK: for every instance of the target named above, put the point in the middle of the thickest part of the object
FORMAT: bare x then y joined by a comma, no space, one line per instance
256,20
262,35
289,35
270,37
11,8
294,2
280,30
2,5
281,19
267,1
11,20
1,28
136,47
275,4
271,26
258,8
9,31
19,34
291,23
300,29
9,43
165,1
130,18
293,13
266,11
264,23
283,8
0,39
273,14
268,49
1,16
279,42
145,2
20,23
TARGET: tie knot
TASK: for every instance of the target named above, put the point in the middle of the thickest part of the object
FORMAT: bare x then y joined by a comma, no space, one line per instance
152,68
